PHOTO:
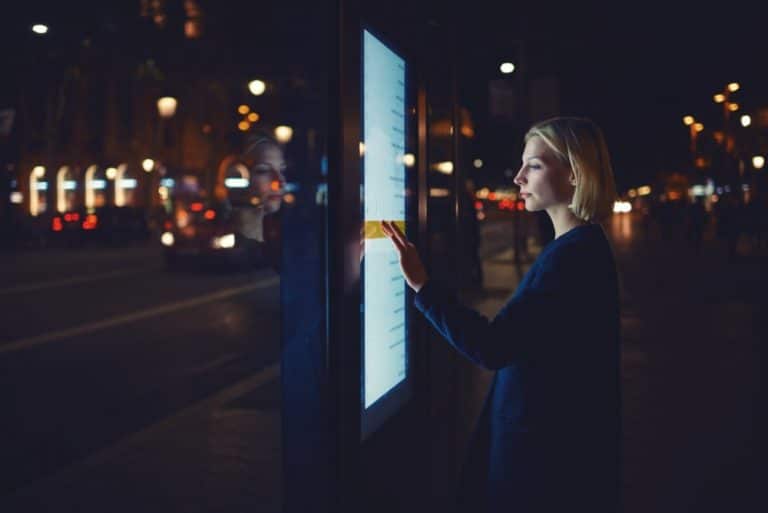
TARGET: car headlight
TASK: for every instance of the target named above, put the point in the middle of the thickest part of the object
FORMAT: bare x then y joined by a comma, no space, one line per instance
224,242
167,239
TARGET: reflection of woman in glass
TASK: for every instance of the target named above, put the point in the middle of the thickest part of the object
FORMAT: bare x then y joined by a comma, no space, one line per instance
260,223
265,160
548,439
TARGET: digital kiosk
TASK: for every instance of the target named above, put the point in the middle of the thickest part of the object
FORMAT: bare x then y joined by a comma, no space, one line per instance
353,424
385,371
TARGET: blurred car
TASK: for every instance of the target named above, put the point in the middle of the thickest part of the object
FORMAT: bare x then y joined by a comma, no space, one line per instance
103,225
212,232
67,227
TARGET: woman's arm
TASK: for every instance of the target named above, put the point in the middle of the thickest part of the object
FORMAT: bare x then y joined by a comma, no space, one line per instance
530,321
527,323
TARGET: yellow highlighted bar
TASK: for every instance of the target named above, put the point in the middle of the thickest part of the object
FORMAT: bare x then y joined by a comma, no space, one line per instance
373,229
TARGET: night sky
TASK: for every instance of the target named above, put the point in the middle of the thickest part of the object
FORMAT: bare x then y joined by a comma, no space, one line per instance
635,68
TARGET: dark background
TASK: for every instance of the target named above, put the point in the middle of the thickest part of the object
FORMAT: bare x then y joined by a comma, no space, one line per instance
635,68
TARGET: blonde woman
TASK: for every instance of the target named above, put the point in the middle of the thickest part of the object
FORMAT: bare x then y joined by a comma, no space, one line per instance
549,436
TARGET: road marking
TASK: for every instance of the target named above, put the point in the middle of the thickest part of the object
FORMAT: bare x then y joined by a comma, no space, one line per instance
71,281
26,343
209,366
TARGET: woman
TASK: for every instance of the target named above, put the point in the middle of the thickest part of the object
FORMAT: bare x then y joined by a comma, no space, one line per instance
259,220
548,439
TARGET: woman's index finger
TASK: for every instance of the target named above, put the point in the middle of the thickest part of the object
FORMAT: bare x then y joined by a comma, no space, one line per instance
398,232
391,235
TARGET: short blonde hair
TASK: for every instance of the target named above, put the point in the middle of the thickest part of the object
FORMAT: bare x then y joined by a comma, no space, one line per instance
579,144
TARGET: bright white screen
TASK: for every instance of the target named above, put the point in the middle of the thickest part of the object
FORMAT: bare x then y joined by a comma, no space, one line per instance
385,345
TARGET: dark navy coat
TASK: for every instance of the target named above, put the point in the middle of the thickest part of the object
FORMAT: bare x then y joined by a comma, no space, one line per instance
549,435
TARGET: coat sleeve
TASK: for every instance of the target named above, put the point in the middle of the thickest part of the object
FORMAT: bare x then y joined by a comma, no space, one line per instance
532,320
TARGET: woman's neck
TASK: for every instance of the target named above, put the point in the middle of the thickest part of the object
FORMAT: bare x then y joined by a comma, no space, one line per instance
563,220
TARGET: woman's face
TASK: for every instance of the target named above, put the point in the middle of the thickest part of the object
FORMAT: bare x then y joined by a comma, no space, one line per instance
268,179
543,179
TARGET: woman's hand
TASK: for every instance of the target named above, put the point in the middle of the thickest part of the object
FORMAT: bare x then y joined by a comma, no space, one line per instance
410,263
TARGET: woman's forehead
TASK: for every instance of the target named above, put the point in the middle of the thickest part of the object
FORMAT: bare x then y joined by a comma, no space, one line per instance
269,159
273,151
535,147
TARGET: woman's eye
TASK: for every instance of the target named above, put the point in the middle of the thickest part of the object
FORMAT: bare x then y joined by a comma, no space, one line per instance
534,166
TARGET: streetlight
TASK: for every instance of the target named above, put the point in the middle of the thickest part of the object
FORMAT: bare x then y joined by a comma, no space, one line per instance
166,109
694,128
39,28
283,133
724,97
746,120
166,106
758,161
257,87
507,68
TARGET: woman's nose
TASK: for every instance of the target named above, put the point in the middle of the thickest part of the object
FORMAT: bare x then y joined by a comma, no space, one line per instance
278,178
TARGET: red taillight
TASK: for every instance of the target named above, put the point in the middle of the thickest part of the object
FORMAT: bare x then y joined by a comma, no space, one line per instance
91,220
168,225
75,216
478,205
196,207
275,185
56,225
521,206
492,196
210,215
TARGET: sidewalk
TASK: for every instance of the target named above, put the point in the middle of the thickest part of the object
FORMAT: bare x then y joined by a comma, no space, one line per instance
694,327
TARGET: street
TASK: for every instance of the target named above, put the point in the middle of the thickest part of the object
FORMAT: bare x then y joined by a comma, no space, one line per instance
98,344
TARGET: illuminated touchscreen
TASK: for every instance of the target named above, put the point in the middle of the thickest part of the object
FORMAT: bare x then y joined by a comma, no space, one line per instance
384,296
